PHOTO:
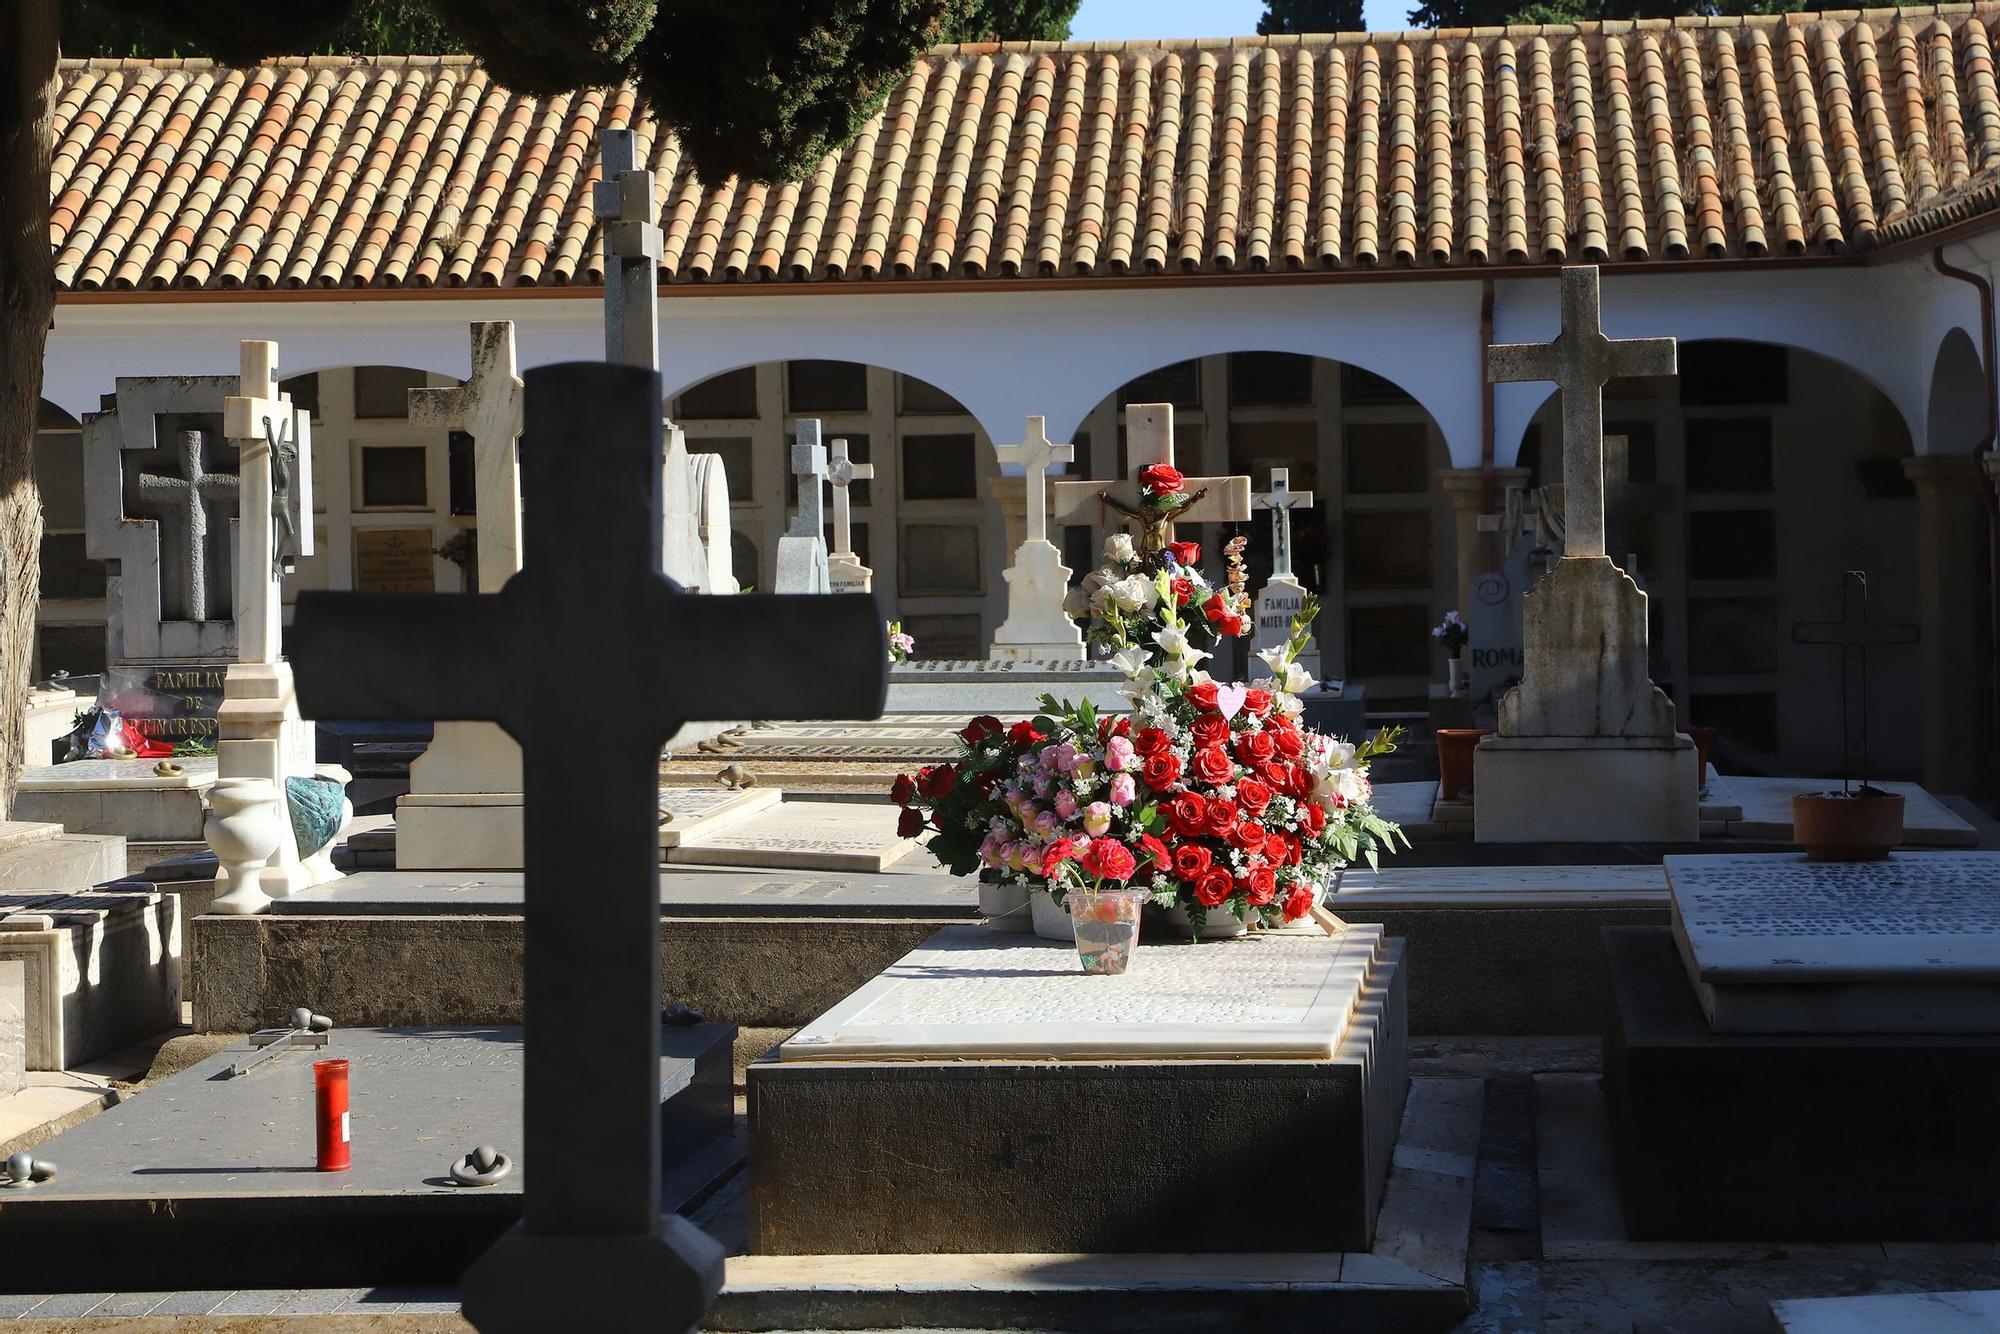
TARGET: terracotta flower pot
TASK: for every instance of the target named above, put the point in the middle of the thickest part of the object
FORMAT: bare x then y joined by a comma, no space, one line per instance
1455,747
1857,826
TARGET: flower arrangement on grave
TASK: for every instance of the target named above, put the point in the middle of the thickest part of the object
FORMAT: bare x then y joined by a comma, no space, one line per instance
901,645
1210,797
1158,606
1451,632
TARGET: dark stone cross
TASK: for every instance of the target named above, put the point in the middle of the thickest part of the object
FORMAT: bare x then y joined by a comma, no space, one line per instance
1852,634
184,501
592,1250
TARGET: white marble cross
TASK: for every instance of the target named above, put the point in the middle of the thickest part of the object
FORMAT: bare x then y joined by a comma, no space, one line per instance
1149,439
1281,500
488,408
809,466
1035,454
1581,361
260,420
631,226
842,471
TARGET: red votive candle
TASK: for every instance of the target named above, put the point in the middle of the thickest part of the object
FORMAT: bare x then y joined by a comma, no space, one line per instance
330,1100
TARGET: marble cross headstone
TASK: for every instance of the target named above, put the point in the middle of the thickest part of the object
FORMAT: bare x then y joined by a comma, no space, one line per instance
1036,628
1283,597
488,408
187,497
844,570
592,1249
1581,361
1149,439
1281,500
631,221
802,563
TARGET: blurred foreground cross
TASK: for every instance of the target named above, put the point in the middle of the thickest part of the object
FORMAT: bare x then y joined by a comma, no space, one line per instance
591,1251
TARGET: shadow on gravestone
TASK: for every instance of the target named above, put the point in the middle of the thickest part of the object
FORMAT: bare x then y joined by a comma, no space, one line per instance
592,1250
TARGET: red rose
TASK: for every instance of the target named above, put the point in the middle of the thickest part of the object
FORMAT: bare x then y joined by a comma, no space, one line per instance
1302,782
1212,765
1185,553
1161,479
938,781
903,790
1203,696
1288,742
1108,859
1233,625
1221,818
1191,860
1255,748
1315,817
1280,849
1215,608
1257,701
1298,903
987,781
1150,741
1253,796
1161,771
971,732
1247,835
1214,888
1024,734
1056,853
1263,885
1156,851
909,824
1187,814
1210,729
1183,591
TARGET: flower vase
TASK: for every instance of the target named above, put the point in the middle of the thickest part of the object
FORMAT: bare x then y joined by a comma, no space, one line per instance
1005,907
1455,679
242,829
1050,919
1221,925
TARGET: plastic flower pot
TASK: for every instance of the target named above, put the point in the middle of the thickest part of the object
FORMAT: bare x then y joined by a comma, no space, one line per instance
1107,926
1858,825
1455,747
1047,918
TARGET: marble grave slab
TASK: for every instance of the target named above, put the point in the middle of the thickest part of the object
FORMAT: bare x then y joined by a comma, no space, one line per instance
822,835
1777,944
969,993
118,797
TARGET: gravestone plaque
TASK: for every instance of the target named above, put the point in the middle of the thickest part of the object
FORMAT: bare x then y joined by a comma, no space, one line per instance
1780,944
1493,627
393,560
165,702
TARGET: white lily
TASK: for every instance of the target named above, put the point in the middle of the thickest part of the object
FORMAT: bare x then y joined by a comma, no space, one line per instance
1297,679
1276,658
1173,641
1130,661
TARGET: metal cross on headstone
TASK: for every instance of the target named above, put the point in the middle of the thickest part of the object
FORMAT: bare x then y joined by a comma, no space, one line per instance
488,408
631,227
1035,453
592,1250
1852,634
1581,361
1149,439
809,466
1281,500
187,498
841,472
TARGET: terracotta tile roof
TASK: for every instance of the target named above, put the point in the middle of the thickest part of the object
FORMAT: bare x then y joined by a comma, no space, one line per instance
1712,138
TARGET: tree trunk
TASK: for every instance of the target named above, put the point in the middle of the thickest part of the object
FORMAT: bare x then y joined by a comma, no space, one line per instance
27,301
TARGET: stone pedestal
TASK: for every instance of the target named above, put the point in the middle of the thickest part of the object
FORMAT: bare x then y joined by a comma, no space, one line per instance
264,737
846,574
13,1027
1036,630
102,970
1951,543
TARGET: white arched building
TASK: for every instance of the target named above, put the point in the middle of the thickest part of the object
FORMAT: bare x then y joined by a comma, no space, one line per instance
1304,243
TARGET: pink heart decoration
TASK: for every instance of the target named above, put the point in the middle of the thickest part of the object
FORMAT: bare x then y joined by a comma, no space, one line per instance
1229,699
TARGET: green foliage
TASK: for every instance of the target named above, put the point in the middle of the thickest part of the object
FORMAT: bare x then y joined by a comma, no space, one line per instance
1010,20
1294,16
553,46
1469,13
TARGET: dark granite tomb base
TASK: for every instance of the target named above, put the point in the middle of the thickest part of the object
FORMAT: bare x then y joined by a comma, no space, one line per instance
208,1183
920,1157
1790,1137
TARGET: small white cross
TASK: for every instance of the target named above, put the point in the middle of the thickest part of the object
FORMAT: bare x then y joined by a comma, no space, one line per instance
1281,500
841,471
1035,454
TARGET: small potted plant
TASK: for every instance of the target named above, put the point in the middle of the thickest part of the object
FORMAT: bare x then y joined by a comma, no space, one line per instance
1858,821
1855,822
1452,634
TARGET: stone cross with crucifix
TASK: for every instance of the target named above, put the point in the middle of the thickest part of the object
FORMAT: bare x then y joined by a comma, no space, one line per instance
802,563
260,732
187,498
1149,439
592,1249
845,572
630,219
1284,596
463,807
1587,748
1036,630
